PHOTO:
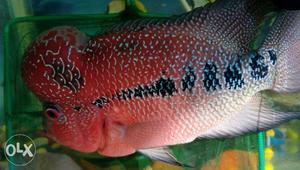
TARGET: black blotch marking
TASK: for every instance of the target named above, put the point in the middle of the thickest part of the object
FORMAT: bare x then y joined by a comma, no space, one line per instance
117,95
188,80
162,87
138,92
124,94
259,69
233,74
165,86
77,108
101,101
210,80
129,94
273,56
149,90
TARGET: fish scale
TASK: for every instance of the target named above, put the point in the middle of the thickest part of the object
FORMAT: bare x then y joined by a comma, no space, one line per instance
158,82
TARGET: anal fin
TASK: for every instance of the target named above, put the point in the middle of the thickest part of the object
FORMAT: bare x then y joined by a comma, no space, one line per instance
162,154
256,116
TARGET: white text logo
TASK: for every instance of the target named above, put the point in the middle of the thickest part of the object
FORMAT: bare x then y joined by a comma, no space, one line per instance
19,150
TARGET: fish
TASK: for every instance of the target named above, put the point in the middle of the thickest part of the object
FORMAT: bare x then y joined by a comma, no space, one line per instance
146,84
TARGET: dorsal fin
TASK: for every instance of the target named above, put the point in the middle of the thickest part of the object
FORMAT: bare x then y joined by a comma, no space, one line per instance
231,24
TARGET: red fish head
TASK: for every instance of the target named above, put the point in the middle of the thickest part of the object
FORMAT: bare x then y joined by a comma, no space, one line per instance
79,127
52,64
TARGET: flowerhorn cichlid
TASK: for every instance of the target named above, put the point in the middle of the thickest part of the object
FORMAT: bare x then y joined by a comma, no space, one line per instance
147,84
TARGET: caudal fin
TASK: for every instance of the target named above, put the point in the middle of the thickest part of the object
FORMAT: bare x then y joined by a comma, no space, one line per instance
284,38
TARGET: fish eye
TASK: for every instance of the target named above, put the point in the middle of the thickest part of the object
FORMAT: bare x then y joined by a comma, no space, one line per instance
52,113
